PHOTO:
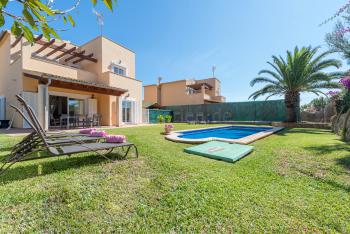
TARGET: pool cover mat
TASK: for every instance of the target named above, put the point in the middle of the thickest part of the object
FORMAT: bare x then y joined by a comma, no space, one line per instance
221,150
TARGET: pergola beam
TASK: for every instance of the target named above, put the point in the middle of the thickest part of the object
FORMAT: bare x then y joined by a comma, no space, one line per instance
18,39
75,54
45,46
38,38
66,52
83,58
58,48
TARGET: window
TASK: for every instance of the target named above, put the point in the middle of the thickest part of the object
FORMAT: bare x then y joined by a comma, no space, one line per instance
190,90
119,70
76,106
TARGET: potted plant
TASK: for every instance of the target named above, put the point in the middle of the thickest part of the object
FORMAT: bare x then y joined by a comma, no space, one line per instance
168,128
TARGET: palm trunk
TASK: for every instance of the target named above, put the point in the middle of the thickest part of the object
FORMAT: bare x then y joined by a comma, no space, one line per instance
292,102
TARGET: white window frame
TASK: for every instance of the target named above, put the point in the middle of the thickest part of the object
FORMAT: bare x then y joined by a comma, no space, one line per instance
113,66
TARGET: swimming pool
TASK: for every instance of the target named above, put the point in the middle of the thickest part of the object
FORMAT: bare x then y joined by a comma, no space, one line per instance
234,134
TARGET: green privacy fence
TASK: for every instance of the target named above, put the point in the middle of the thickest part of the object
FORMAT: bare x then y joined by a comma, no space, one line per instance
231,111
154,113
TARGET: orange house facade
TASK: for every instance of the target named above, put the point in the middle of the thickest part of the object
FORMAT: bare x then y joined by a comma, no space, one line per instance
184,92
60,80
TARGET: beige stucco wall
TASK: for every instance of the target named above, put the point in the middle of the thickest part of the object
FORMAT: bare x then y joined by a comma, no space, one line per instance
5,63
94,46
133,86
30,85
150,93
112,51
215,83
174,93
10,76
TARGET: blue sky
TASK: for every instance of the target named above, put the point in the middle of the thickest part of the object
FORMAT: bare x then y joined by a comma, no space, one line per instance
184,38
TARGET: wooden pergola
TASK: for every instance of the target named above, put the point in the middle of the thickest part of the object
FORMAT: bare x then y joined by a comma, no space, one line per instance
73,84
71,53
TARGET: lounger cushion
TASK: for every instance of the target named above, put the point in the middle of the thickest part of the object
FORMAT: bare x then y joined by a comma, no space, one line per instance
115,138
73,140
87,130
71,149
98,134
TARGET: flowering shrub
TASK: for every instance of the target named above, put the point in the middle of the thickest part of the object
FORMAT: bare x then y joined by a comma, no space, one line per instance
346,82
169,126
342,31
333,93
338,13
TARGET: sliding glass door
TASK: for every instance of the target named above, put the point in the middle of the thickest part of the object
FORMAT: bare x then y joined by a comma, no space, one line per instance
127,111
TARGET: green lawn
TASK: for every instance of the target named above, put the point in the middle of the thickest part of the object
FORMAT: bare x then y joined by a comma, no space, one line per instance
295,181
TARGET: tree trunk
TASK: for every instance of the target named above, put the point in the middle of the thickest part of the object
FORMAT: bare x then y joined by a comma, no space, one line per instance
292,102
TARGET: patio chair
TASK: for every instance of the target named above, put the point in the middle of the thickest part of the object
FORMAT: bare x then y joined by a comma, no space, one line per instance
24,150
54,121
96,120
34,120
81,120
61,139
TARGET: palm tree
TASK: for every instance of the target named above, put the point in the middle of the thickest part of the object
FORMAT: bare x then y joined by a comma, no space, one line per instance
301,71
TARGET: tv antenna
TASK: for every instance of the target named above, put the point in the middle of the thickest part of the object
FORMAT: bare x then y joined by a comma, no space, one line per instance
159,80
99,18
213,70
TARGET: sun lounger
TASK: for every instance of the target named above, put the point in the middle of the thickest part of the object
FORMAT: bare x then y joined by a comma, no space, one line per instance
37,141
62,139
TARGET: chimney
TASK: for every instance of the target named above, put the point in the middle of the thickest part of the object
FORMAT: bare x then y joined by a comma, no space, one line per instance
159,91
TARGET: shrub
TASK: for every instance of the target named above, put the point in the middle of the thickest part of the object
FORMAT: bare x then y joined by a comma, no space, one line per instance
160,119
168,118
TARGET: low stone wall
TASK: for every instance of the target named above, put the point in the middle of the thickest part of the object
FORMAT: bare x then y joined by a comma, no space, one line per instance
302,125
317,116
322,116
337,125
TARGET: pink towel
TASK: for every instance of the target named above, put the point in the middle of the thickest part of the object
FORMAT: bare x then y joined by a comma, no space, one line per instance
87,130
115,139
98,134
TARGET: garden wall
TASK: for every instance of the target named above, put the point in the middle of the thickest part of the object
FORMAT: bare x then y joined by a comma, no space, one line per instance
231,111
322,116
337,124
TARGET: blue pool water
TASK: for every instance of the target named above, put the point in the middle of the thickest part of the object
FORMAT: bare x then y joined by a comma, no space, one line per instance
231,132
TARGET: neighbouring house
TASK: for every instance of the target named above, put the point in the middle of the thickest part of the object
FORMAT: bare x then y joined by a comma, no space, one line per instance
184,92
61,80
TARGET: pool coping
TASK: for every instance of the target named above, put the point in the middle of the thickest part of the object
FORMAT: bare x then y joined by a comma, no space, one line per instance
174,136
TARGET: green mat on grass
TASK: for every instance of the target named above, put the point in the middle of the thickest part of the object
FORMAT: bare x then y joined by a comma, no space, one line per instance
221,150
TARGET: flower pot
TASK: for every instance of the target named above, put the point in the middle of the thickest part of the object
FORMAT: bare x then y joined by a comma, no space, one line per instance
168,130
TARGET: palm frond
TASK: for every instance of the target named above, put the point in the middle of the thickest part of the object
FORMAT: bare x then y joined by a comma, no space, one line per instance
302,70
263,80
268,89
